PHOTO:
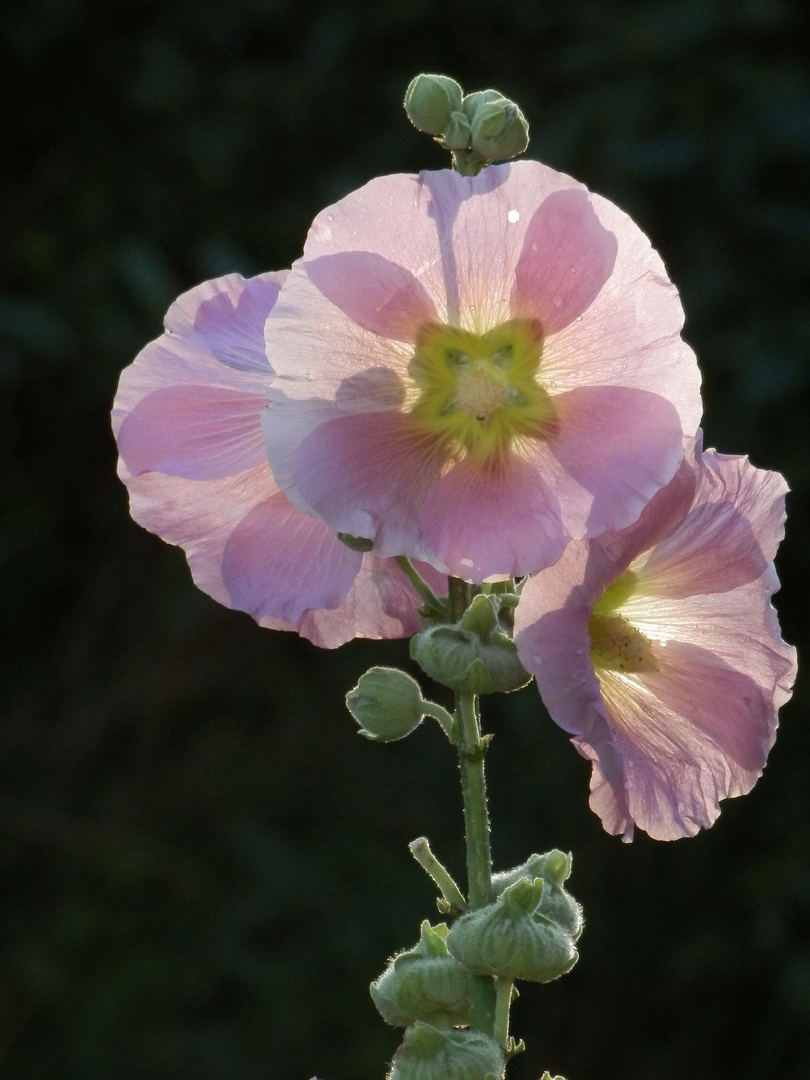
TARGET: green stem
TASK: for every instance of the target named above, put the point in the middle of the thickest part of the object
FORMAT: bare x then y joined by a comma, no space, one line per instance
471,750
423,589
503,999
420,849
459,596
473,786
436,712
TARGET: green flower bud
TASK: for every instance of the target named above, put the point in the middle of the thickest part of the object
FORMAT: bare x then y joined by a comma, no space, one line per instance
499,131
457,134
387,704
427,1053
430,100
474,656
424,983
556,902
510,939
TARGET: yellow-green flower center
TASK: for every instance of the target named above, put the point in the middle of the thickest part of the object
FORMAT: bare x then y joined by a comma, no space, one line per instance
616,644
478,392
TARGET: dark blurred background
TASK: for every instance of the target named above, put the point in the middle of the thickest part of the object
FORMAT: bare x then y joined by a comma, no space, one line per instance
202,865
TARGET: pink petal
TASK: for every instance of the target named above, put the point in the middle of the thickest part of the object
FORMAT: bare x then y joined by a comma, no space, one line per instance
380,604
630,334
207,356
379,461
728,538
374,292
197,515
197,432
567,257
225,318
620,446
281,562
688,735
499,522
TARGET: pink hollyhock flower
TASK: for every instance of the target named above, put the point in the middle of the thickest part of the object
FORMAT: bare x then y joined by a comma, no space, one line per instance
187,421
658,649
473,370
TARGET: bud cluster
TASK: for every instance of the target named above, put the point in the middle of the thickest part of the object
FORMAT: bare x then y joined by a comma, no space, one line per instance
478,128
527,932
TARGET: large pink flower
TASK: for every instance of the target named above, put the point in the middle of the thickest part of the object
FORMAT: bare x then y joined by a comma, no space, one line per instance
187,420
473,370
658,649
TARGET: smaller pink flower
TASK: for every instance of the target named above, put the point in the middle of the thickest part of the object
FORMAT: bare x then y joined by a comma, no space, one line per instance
658,649
187,421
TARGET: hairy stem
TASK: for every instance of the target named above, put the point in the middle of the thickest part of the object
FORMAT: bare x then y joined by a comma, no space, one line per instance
471,750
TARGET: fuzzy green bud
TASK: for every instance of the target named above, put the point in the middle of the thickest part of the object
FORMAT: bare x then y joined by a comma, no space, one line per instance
499,131
510,939
430,100
426,1053
556,902
387,704
474,656
424,983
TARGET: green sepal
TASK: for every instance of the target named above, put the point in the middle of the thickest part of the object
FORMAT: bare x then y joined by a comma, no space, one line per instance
556,903
428,1053
424,983
356,543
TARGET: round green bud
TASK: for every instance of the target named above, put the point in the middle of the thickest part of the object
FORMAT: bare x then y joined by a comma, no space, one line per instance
424,983
427,1053
387,704
430,101
556,903
499,131
510,939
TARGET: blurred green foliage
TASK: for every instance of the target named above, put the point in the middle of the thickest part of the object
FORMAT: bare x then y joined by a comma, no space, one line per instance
202,866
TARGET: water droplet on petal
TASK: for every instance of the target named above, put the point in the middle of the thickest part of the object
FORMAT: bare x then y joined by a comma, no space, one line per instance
513,216
330,217
572,269
557,301
578,318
